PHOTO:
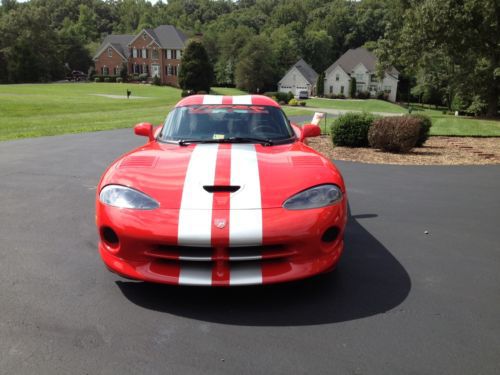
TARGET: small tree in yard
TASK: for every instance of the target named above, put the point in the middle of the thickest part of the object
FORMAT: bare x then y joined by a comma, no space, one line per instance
352,87
320,85
196,72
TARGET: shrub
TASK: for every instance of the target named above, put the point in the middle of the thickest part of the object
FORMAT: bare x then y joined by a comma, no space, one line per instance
282,96
202,92
112,79
302,103
477,106
425,127
293,102
363,95
107,79
119,79
156,81
271,94
351,129
341,96
143,77
352,87
185,93
394,134
97,79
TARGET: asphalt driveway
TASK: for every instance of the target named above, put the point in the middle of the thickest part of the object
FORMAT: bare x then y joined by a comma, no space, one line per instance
401,302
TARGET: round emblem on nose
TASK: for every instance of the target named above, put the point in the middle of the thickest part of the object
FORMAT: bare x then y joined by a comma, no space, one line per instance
220,223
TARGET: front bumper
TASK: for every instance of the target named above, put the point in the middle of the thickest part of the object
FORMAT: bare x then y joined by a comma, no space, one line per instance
293,246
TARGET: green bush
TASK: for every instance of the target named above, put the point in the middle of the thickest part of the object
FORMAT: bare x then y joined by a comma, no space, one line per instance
293,102
119,79
302,103
363,95
143,77
280,96
425,127
351,129
156,81
107,79
112,79
394,134
202,92
97,79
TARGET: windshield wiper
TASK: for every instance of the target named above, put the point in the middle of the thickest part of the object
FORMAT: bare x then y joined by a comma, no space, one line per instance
265,142
185,142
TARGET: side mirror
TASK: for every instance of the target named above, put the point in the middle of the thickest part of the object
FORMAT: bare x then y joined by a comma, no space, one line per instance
145,129
309,130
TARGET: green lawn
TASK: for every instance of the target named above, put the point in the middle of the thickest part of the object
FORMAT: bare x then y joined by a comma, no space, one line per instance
369,105
32,110
48,109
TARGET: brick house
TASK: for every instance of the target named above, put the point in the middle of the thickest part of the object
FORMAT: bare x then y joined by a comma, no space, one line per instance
156,52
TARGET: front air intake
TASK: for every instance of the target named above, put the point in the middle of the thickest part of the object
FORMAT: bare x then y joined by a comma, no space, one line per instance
221,188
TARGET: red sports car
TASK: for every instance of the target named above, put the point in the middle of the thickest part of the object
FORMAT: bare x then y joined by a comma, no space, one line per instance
225,193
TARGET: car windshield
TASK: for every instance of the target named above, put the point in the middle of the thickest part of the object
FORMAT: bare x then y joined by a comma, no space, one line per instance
226,123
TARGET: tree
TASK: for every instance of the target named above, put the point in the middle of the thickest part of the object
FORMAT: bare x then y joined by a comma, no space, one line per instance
320,84
196,71
352,87
255,69
462,35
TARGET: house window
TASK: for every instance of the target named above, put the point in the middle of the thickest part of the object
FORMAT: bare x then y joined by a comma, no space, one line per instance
359,77
154,54
145,69
134,52
342,89
110,52
174,54
360,87
373,78
105,71
144,53
169,70
337,77
387,89
331,89
168,54
180,54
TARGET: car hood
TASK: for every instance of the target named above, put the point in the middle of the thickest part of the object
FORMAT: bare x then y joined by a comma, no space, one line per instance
264,176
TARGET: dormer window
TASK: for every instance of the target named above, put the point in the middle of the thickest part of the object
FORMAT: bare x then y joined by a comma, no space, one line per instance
144,36
110,52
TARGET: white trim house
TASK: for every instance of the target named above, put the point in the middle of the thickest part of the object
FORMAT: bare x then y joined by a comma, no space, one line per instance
360,64
298,78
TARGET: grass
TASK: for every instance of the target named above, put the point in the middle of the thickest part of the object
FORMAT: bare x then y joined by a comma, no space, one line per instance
369,105
49,109
32,110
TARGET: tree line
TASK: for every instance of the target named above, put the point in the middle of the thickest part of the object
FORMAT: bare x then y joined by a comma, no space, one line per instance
448,51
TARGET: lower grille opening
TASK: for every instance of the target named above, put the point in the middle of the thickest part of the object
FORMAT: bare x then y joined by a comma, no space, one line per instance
209,254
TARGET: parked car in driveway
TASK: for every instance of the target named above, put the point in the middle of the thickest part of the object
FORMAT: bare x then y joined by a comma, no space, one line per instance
226,192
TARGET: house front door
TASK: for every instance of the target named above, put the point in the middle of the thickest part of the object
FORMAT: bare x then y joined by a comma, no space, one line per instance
155,70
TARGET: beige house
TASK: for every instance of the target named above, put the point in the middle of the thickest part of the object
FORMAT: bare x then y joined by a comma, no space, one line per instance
300,77
360,64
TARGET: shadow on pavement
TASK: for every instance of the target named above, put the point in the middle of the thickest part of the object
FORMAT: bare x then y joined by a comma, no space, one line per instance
367,281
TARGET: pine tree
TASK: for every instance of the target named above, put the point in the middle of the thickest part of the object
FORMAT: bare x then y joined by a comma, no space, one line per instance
196,71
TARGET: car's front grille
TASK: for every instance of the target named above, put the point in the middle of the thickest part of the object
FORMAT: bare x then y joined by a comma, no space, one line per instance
210,254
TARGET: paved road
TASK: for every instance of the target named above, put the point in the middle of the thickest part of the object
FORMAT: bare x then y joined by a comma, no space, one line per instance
402,302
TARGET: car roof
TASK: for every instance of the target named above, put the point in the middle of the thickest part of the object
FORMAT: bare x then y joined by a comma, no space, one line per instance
229,100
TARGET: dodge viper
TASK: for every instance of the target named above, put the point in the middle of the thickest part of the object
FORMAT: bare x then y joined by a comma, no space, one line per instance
226,192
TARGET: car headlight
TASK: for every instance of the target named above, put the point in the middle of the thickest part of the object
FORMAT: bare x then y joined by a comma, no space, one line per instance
124,197
315,197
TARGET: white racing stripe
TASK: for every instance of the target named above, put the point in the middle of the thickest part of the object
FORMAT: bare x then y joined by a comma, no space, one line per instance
195,214
245,274
212,99
242,99
196,274
245,228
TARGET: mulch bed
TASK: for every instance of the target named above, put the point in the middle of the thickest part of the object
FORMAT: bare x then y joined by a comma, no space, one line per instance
436,151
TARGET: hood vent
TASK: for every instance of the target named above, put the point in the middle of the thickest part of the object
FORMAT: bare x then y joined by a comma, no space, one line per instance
221,188
306,161
138,161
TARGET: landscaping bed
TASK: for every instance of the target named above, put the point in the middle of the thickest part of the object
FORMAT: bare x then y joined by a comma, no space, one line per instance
436,151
